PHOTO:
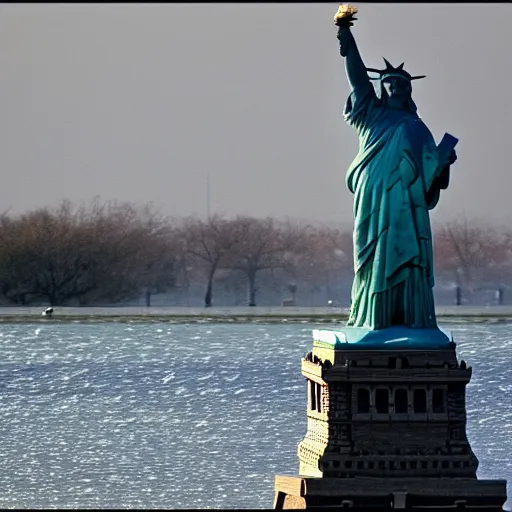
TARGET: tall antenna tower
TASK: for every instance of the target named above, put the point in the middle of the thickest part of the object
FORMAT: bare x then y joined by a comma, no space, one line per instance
208,199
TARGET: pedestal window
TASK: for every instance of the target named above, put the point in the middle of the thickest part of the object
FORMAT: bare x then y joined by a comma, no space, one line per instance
420,401
363,400
382,401
401,401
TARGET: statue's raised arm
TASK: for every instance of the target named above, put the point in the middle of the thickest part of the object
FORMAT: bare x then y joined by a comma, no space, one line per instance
354,65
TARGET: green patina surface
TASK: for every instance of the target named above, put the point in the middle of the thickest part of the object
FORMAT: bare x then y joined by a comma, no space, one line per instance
392,338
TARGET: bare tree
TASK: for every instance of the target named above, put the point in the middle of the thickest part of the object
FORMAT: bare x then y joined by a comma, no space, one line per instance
471,253
326,263
261,244
43,257
135,249
209,241
87,254
15,263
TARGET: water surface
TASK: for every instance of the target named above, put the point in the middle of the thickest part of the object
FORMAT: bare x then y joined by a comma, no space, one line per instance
182,416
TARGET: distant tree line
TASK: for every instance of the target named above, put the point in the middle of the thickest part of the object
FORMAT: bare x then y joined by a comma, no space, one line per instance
107,253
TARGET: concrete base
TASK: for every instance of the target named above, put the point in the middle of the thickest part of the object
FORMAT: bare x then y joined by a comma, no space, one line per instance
389,493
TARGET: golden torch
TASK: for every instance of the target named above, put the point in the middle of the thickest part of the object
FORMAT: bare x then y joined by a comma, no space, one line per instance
345,15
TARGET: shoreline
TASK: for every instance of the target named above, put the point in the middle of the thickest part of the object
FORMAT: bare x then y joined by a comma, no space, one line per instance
138,314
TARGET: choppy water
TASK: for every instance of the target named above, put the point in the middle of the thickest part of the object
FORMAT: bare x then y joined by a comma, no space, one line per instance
184,416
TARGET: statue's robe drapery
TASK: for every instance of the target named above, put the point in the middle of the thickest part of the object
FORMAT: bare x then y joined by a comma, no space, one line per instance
395,181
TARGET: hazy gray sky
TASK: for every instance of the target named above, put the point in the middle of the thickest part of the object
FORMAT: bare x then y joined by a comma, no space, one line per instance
138,102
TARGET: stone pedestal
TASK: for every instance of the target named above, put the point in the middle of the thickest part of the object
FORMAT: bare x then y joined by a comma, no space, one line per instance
389,493
386,425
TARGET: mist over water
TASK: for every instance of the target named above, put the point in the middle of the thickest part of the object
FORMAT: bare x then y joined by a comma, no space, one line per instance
181,416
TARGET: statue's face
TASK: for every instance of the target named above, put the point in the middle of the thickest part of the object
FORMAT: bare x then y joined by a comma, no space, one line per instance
398,90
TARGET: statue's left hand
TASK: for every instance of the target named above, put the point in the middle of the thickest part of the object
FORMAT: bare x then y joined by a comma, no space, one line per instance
453,157
450,159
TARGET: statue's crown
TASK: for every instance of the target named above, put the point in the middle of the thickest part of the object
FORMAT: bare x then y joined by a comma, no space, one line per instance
390,71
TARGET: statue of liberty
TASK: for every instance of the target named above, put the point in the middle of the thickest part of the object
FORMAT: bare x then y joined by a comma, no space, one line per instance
396,178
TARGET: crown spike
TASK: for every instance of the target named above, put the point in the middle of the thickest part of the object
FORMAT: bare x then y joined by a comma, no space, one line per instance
401,67
388,65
